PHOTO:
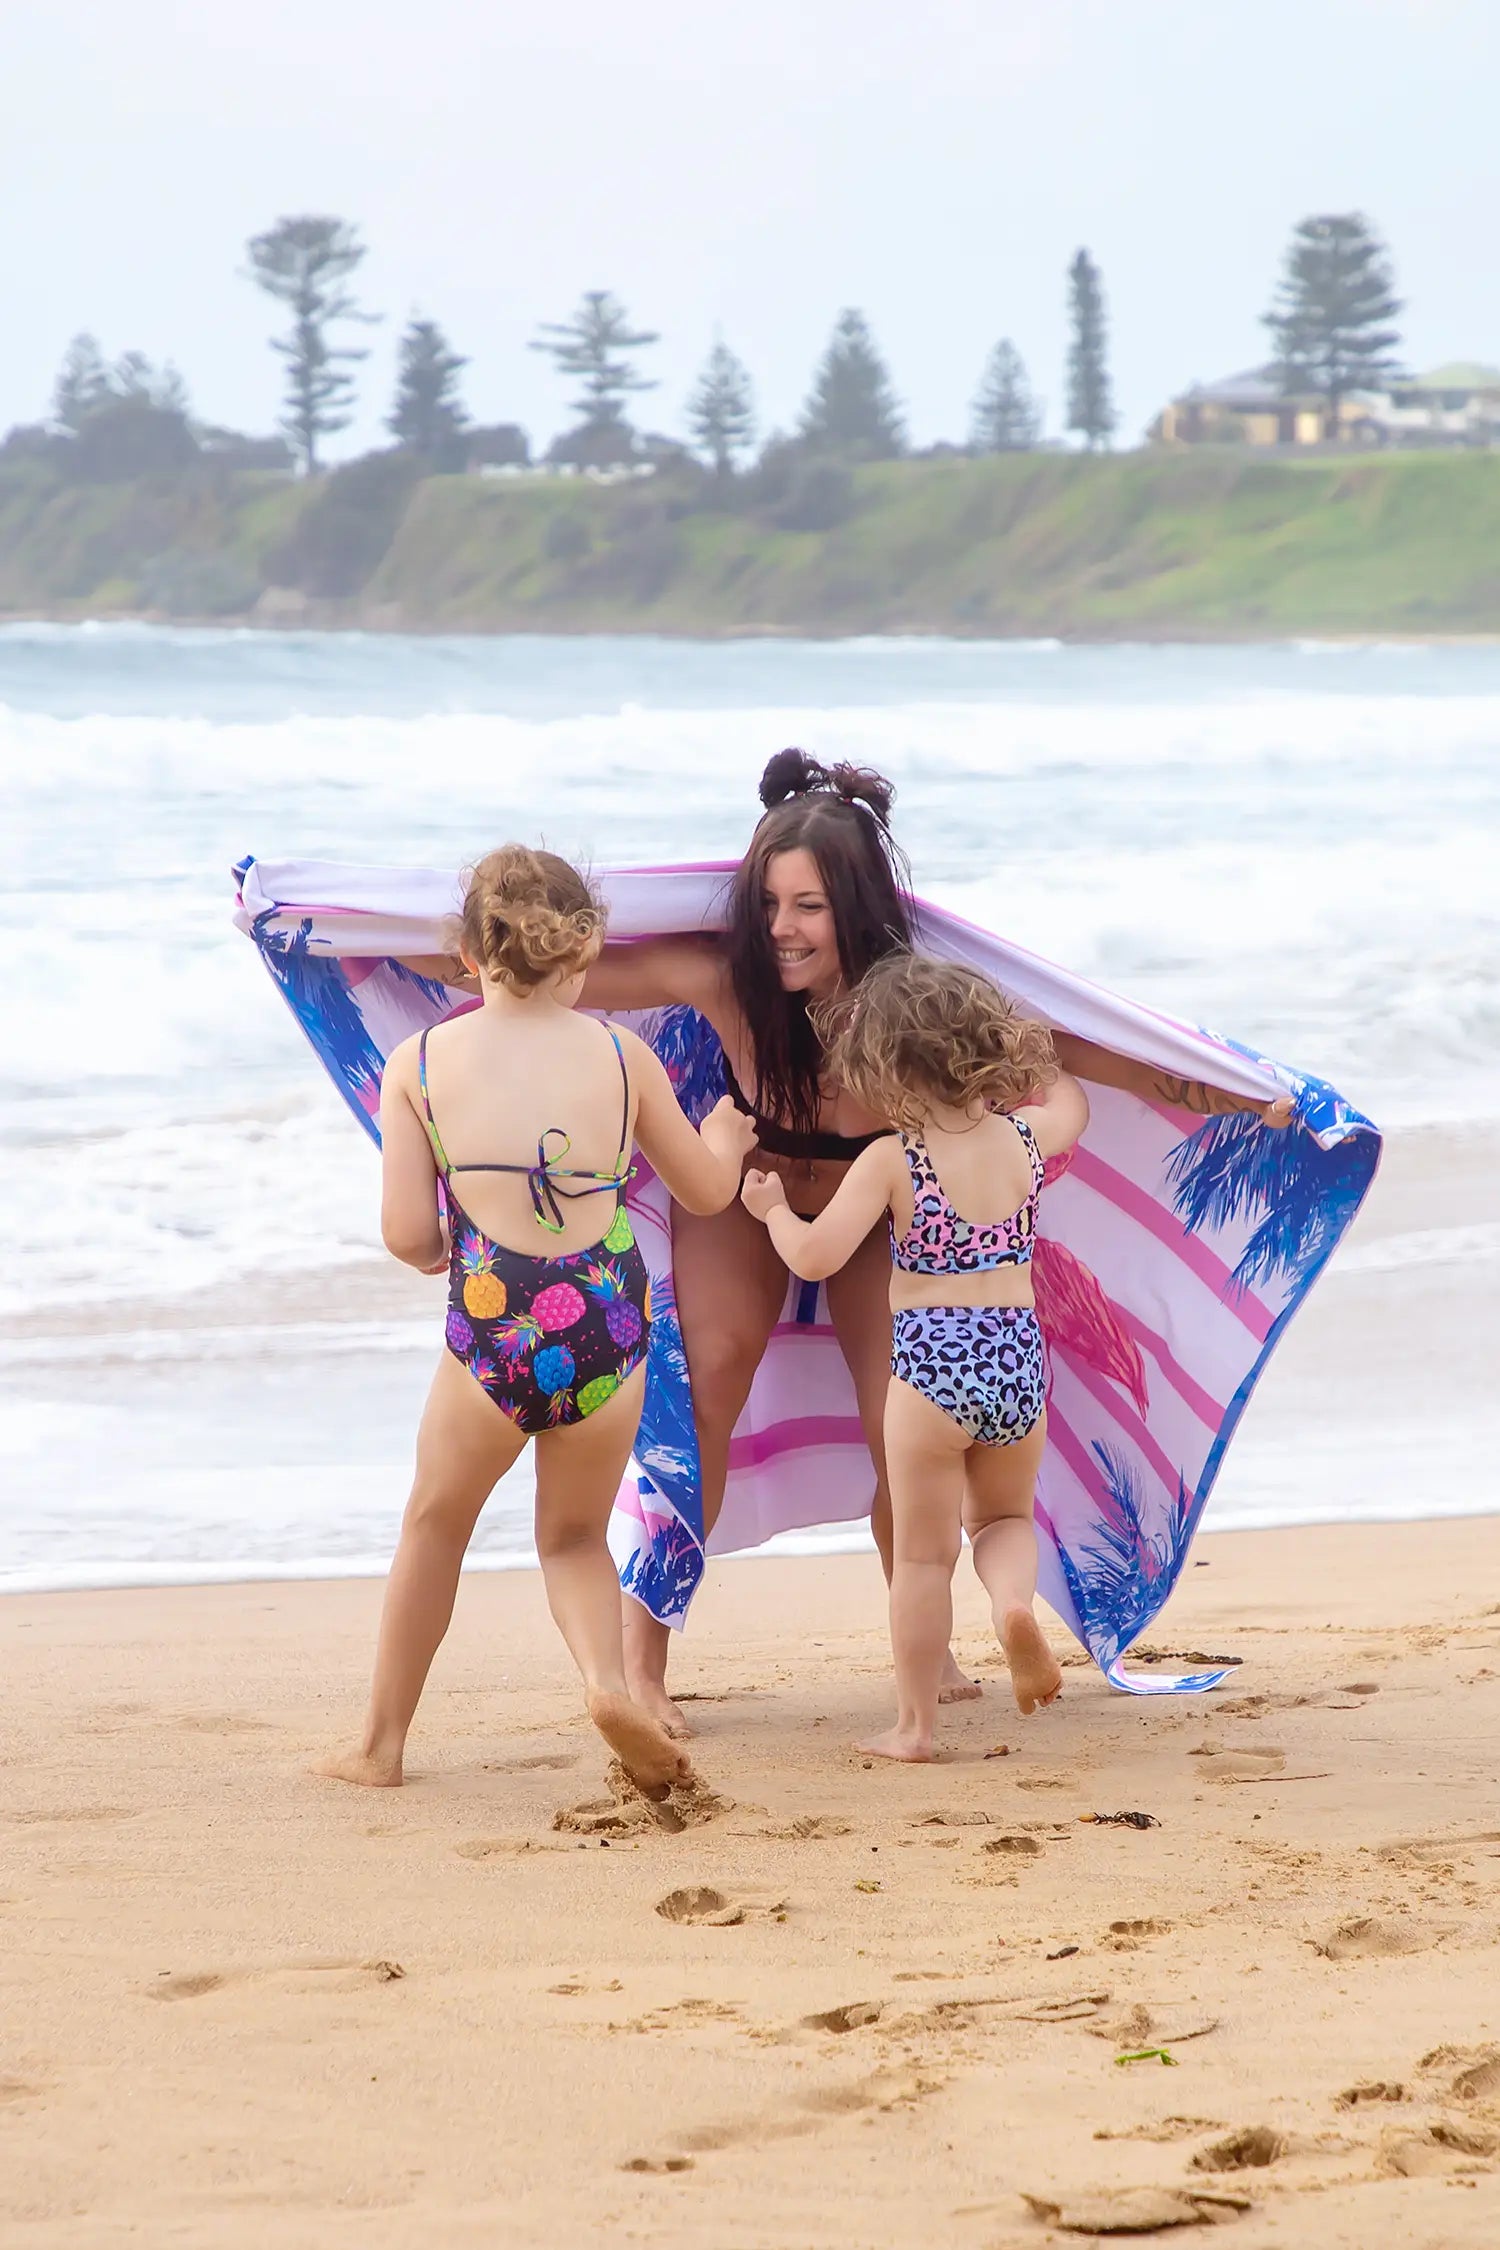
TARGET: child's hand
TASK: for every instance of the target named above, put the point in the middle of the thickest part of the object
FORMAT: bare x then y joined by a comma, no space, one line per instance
762,1193
728,1132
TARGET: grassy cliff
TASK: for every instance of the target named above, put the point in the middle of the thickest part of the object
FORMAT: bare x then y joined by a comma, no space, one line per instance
1208,545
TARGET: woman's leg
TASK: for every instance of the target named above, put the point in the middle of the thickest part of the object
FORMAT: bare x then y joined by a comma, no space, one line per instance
998,1505
464,1447
859,1307
730,1287
925,1449
578,1472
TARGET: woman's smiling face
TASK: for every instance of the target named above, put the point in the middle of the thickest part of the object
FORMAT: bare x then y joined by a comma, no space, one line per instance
800,921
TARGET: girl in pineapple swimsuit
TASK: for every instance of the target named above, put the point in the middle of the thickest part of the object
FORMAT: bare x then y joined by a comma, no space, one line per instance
940,1050
548,1300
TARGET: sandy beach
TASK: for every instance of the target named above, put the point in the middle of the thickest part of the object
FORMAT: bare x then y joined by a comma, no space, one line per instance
847,2003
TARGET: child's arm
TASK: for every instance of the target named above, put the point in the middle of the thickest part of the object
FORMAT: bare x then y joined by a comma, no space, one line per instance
409,1223
1058,1116
701,1167
815,1248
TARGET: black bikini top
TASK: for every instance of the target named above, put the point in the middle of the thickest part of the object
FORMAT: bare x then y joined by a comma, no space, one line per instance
781,1140
542,1177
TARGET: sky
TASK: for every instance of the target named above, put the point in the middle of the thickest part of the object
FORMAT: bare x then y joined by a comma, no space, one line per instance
746,169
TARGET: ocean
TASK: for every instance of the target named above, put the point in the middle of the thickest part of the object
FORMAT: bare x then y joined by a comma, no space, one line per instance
207,1368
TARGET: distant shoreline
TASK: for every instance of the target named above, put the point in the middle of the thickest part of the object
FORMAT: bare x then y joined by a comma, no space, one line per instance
1148,547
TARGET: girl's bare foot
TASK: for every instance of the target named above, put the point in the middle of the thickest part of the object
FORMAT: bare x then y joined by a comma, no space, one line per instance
363,1768
954,1687
642,1746
1035,1675
910,1749
655,1701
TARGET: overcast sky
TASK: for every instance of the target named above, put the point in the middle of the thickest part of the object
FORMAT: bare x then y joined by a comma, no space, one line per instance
753,167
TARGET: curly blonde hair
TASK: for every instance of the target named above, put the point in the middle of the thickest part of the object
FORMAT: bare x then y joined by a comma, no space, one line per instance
528,916
916,1032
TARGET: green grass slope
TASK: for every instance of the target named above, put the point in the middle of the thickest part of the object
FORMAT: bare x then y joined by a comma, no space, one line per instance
1206,545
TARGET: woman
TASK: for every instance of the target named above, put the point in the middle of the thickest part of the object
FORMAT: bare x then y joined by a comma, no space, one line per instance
821,894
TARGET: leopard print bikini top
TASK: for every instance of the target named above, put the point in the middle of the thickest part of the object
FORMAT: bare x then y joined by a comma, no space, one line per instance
939,1241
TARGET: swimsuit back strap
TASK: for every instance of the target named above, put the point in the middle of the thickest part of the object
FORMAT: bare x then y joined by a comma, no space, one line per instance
433,1135
625,1109
1038,1163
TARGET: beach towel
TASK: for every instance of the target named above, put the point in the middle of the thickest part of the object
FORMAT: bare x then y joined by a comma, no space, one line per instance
1172,1251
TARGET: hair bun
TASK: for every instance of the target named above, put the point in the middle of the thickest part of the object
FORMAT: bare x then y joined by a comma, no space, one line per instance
791,773
861,785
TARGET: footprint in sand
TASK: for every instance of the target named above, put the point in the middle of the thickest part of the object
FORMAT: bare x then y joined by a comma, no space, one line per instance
1446,2144
1127,1936
657,2164
1368,2092
1260,1764
189,1987
700,1902
1014,1846
1371,1937
19,2090
1426,1848
1466,2074
1250,2149
1136,2210
854,2015
810,1828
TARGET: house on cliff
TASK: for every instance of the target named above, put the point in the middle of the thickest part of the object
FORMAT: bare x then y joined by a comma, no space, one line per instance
1455,405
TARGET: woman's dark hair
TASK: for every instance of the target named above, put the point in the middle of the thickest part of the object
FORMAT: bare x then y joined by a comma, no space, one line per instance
841,815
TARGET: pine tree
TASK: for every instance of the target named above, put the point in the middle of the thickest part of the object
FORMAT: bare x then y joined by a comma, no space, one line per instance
1333,312
305,263
595,346
851,407
1090,408
133,378
428,416
1007,418
721,410
82,385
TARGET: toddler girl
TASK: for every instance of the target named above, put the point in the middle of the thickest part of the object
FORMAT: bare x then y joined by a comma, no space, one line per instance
979,1102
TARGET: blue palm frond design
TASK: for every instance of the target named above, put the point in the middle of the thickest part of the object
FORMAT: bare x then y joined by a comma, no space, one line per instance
431,988
1120,1578
1302,1194
689,1050
316,989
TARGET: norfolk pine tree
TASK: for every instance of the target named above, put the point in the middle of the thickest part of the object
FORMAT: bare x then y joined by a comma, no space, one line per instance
82,384
1006,418
595,347
1334,306
721,410
851,407
427,416
1090,409
305,263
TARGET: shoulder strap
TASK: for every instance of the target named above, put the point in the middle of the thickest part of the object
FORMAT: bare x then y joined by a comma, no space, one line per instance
438,1149
1028,1142
625,1110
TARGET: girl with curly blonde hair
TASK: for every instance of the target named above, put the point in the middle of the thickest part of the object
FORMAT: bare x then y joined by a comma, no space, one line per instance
979,1103
549,1303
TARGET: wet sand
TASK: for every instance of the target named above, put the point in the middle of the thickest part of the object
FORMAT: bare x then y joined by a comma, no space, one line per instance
841,2002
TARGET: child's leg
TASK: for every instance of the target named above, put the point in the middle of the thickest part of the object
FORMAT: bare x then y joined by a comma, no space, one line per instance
998,1502
578,1472
464,1447
925,1451
859,1307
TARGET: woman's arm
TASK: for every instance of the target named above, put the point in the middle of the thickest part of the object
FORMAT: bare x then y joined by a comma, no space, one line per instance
409,1223
1059,1118
701,1168
815,1248
1085,1060
685,971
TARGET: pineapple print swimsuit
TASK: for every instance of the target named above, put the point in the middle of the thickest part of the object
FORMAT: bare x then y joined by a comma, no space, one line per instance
547,1339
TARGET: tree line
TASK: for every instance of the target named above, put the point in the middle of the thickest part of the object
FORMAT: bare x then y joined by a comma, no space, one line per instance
1330,321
